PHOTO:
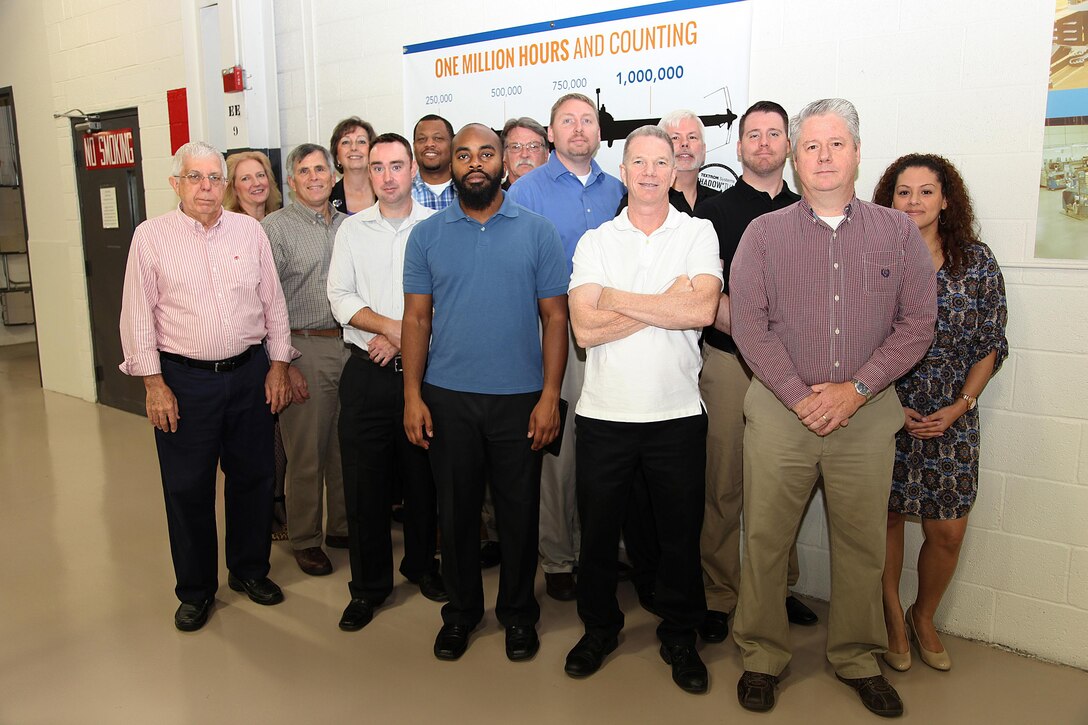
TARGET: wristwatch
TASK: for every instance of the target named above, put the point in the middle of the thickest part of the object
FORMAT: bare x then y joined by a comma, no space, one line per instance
972,401
862,389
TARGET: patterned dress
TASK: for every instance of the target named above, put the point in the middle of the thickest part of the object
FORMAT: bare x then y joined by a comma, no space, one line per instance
938,478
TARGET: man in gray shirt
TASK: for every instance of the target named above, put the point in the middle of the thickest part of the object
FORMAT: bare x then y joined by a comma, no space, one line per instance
302,236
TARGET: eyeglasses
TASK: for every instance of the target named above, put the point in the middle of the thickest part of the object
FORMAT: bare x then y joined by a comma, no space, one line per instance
196,178
531,146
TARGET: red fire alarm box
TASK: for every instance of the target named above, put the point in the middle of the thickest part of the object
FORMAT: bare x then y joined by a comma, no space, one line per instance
233,80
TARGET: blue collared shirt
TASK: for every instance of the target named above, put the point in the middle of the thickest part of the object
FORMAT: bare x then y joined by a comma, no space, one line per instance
423,194
555,193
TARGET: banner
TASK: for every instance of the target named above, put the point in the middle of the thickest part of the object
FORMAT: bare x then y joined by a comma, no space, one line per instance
637,64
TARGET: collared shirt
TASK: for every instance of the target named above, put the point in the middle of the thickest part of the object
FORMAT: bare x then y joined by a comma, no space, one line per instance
423,194
652,374
485,281
731,212
811,304
556,193
207,294
367,268
302,246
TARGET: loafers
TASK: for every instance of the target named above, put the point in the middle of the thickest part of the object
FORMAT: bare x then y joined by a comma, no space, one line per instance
560,586
452,641
263,590
432,587
937,660
191,616
356,615
313,561
522,642
588,655
490,554
798,613
336,542
755,691
715,626
688,670
877,694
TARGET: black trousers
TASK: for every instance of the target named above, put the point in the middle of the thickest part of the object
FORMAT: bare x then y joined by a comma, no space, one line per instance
224,422
374,453
670,455
476,438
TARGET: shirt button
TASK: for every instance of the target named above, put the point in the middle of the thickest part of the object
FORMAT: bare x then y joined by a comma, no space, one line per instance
836,363
836,331
588,210
836,265
836,298
482,228
834,235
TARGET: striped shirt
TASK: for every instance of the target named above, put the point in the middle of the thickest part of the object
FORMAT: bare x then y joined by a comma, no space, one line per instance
302,248
207,294
423,194
811,304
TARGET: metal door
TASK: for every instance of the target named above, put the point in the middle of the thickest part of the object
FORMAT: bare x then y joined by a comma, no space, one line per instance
109,182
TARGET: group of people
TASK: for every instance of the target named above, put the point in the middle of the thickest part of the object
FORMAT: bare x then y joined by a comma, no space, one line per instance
617,366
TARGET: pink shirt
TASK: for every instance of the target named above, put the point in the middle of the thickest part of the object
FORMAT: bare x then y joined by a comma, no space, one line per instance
810,304
205,294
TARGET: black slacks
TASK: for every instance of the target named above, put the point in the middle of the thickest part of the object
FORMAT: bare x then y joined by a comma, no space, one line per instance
476,438
670,455
224,421
374,454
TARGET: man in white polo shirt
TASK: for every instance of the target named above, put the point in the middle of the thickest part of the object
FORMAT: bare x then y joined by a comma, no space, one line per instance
643,286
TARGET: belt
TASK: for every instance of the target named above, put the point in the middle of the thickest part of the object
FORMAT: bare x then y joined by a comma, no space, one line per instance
332,332
393,365
218,366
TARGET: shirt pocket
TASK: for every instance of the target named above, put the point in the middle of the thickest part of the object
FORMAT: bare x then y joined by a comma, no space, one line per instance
883,271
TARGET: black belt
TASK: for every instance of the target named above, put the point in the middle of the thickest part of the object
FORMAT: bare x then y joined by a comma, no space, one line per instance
393,365
218,366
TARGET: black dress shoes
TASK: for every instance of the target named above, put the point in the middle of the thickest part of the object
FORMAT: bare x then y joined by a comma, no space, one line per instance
490,554
263,590
336,542
432,587
798,613
755,691
688,670
877,694
522,642
588,655
356,615
191,616
560,586
715,626
452,641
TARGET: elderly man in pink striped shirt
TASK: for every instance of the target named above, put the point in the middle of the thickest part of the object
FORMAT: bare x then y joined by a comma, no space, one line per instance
204,323
832,299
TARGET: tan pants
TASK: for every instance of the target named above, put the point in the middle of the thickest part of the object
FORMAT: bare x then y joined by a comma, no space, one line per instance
723,384
310,438
782,460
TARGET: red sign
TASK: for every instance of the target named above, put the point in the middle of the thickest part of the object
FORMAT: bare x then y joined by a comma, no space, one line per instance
109,149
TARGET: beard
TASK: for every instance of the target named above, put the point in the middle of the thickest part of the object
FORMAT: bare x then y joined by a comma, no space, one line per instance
478,197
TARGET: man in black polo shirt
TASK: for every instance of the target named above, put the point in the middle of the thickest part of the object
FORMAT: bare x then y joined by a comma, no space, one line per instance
762,150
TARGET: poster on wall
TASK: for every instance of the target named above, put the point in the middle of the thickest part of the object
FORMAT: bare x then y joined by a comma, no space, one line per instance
637,64
1062,228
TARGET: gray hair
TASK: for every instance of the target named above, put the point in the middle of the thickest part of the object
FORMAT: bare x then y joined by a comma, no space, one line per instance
840,107
529,124
196,150
653,131
674,118
298,153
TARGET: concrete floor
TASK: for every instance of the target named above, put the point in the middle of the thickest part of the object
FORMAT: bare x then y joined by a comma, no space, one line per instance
86,636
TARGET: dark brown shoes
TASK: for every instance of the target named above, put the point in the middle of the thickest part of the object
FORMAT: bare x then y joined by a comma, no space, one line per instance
313,561
877,694
755,691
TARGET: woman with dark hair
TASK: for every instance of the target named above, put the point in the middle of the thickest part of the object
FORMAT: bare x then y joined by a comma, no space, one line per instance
251,187
937,451
350,148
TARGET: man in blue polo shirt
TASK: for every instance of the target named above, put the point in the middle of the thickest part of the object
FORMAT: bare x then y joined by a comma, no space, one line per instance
574,193
478,279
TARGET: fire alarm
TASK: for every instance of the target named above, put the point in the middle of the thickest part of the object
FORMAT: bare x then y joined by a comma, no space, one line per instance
234,80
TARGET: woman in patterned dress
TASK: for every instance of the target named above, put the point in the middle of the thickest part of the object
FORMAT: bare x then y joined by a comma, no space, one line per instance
937,450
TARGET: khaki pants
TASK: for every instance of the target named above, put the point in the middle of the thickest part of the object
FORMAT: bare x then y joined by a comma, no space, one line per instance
312,444
723,384
782,460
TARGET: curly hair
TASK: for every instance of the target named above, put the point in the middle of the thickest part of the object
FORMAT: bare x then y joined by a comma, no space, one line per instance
956,224
230,198
342,129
